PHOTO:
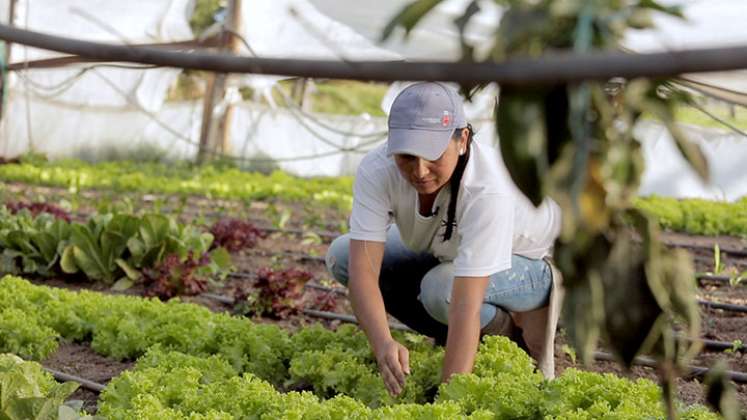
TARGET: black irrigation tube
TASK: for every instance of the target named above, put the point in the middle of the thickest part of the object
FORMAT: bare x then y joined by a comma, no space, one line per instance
299,256
705,303
85,383
694,371
708,344
351,319
721,345
311,312
723,306
713,278
730,251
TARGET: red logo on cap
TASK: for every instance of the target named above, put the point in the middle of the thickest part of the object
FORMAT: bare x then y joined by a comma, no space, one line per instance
445,119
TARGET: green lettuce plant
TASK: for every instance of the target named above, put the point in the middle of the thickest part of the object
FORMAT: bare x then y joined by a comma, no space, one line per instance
27,392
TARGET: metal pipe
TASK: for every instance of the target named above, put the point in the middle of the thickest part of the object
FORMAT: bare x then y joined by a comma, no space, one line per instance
548,70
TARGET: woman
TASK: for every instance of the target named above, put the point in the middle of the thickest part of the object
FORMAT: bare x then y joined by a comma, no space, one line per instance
440,236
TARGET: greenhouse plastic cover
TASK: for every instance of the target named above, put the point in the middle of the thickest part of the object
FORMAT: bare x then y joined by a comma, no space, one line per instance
109,109
132,22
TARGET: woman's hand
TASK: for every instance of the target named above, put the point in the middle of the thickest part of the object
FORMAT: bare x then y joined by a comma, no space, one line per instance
394,364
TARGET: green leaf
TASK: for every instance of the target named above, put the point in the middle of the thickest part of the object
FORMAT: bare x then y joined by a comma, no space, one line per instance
88,254
21,241
153,230
92,264
131,273
409,16
222,258
67,262
674,10
137,250
122,284
67,413
47,245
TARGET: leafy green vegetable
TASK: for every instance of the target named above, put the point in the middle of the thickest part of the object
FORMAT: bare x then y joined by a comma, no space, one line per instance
25,334
28,392
183,179
196,364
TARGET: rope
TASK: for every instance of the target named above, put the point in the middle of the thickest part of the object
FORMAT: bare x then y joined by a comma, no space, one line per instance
290,104
295,108
211,151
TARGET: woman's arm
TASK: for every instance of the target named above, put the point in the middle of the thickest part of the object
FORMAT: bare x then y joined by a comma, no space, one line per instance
368,304
467,296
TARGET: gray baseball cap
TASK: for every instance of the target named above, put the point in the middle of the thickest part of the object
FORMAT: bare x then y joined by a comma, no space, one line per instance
422,119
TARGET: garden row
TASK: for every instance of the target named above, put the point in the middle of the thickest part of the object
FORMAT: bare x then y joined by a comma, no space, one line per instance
694,216
193,363
181,179
168,257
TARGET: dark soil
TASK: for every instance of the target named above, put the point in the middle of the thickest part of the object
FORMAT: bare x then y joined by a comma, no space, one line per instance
80,360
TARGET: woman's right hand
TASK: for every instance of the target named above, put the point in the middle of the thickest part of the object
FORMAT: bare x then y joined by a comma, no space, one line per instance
394,364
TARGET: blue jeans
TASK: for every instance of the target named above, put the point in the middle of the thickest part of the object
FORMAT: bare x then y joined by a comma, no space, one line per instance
524,287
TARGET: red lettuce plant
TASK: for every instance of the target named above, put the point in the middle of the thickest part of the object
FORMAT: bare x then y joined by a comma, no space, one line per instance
321,300
36,208
174,277
276,294
235,234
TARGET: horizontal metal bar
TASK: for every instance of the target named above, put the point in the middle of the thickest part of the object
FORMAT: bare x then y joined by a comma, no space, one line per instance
546,70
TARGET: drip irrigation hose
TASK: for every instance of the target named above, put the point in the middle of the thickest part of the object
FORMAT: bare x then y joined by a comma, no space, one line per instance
694,371
723,306
85,383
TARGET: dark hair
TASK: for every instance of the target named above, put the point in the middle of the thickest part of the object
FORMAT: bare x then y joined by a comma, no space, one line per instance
456,179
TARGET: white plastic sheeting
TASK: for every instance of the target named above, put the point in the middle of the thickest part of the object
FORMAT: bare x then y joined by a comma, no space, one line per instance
296,29
132,21
285,135
668,174
257,132
435,37
107,109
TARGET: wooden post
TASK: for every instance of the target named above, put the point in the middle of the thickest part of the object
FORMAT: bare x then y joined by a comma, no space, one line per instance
11,16
217,138
234,46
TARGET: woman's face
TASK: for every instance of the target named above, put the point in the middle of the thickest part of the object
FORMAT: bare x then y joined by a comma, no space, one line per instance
429,176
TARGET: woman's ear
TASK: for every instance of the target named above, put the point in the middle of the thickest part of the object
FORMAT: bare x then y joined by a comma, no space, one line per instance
464,139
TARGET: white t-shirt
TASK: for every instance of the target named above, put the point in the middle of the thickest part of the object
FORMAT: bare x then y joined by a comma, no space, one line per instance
493,218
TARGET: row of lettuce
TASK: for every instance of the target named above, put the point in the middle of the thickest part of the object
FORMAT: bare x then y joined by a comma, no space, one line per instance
115,249
180,179
693,216
196,364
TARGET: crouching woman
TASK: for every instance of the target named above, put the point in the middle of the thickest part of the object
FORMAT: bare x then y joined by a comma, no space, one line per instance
441,239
